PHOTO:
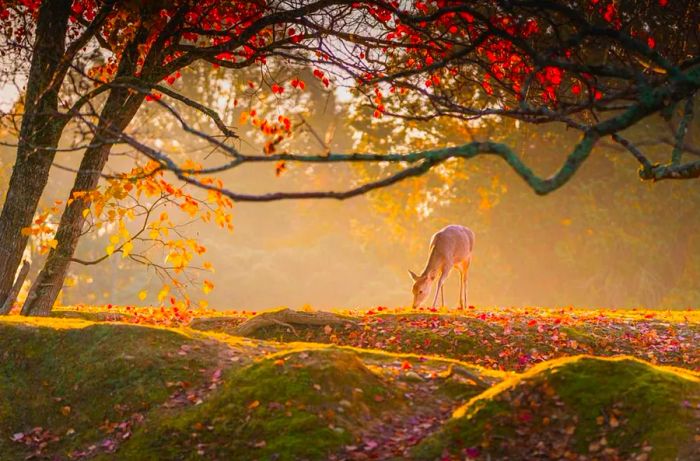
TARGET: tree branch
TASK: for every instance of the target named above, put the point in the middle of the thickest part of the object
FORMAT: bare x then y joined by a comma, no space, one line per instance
682,130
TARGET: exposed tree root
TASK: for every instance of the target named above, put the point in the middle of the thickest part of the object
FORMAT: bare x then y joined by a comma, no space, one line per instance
207,323
288,318
452,370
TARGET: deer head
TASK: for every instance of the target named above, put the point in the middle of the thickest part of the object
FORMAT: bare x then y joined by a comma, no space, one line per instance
421,286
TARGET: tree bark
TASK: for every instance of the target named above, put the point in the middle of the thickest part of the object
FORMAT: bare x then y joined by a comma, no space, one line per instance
10,300
120,108
39,135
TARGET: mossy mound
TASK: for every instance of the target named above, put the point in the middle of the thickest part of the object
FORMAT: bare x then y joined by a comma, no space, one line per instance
513,340
297,405
67,383
598,408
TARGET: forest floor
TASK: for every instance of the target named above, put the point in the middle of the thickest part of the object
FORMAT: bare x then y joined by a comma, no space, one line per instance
138,383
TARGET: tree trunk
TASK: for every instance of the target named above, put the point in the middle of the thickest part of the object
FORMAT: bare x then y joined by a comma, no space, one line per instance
7,307
39,136
120,108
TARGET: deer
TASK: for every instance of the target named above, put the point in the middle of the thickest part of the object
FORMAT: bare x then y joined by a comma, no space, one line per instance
450,247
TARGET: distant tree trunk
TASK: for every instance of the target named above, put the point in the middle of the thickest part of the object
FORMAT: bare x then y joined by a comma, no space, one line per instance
39,135
120,108
12,296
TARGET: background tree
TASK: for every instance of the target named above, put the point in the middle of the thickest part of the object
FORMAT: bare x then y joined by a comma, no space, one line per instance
591,66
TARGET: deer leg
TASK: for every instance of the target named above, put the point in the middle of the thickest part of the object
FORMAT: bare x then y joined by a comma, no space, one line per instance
441,280
465,288
442,296
437,291
461,286
466,281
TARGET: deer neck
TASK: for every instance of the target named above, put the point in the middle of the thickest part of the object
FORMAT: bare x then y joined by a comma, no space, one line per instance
434,263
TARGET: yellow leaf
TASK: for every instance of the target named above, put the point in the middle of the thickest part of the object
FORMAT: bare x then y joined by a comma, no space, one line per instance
123,231
254,404
190,208
99,206
109,250
176,259
143,294
26,231
114,239
53,243
207,286
86,212
163,293
126,249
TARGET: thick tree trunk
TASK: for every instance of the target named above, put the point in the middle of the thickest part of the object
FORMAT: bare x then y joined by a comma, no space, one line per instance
39,136
120,108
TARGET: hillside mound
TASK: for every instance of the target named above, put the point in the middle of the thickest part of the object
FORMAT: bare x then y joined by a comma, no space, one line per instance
68,383
297,405
578,408
76,389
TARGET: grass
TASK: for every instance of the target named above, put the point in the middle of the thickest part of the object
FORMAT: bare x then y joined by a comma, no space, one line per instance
586,405
75,381
72,383
299,405
73,378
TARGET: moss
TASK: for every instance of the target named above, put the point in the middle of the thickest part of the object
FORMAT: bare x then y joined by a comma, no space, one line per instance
91,315
71,376
649,400
297,405
578,405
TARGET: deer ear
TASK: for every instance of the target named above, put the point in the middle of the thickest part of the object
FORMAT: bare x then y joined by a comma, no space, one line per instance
413,275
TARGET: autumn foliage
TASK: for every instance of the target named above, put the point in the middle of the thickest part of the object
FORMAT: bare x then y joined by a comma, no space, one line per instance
596,66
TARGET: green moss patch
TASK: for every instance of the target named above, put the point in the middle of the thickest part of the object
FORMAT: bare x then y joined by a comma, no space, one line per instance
68,383
604,408
299,405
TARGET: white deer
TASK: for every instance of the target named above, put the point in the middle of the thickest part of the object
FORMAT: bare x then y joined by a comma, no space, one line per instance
450,247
